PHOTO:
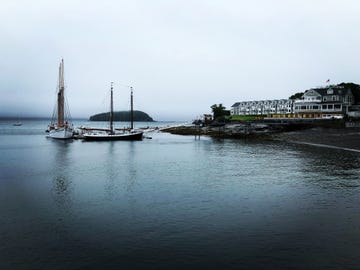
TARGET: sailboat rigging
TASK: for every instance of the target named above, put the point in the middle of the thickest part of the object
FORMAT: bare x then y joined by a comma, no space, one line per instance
61,126
111,135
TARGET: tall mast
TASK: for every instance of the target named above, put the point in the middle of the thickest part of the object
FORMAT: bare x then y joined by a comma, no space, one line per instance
131,109
61,98
111,109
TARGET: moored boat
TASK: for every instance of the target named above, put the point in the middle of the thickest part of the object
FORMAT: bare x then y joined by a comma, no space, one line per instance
61,126
102,136
112,134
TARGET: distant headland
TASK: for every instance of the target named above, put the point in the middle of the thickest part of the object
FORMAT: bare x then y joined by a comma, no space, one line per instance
139,116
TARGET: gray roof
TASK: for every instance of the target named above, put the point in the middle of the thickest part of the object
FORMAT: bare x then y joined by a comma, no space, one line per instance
336,91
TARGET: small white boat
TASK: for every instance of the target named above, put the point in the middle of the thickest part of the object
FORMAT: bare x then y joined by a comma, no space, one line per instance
61,127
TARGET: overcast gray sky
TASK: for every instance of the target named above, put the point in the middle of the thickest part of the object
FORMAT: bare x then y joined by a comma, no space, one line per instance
180,56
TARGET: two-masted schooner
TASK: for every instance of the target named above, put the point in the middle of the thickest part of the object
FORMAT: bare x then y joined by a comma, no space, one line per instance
112,134
61,126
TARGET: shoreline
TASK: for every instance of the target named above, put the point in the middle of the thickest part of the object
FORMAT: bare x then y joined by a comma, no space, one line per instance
343,139
347,139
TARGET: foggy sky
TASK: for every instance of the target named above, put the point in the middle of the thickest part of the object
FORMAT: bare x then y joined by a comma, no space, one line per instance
180,56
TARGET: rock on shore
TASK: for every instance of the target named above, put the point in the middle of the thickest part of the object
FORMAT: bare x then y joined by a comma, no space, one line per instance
331,137
246,129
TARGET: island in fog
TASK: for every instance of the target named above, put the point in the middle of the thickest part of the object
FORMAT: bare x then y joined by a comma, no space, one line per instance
122,116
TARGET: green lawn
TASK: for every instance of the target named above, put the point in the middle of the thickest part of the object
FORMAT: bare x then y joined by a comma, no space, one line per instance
246,117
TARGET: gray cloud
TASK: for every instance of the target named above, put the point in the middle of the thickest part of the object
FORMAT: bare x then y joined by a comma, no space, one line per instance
180,56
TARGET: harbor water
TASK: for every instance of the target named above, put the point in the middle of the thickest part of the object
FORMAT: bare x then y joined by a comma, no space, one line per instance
173,202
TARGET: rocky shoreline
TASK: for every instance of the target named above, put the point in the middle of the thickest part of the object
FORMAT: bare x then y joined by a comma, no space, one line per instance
239,130
333,137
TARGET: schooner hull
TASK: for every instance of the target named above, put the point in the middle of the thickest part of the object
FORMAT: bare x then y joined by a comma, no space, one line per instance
61,134
138,136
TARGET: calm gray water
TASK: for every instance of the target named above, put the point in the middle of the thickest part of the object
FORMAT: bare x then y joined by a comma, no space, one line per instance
173,202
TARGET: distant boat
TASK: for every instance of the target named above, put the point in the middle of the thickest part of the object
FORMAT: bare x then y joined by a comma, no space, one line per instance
18,122
111,135
61,126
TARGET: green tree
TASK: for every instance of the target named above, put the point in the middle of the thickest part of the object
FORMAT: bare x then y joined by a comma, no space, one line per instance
297,95
218,110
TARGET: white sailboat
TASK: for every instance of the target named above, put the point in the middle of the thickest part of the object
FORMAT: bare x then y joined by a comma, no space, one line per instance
60,126
111,135
18,123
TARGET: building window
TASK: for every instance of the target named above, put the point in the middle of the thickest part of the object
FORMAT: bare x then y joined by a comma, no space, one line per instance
324,107
337,107
330,106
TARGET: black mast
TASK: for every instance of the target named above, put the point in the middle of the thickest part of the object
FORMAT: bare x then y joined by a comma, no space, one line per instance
61,99
131,109
111,110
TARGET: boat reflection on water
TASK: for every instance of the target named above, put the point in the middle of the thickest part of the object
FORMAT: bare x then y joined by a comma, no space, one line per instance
61,177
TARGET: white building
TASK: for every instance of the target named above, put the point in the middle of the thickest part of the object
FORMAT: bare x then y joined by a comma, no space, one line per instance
330,102
324,103
262,107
